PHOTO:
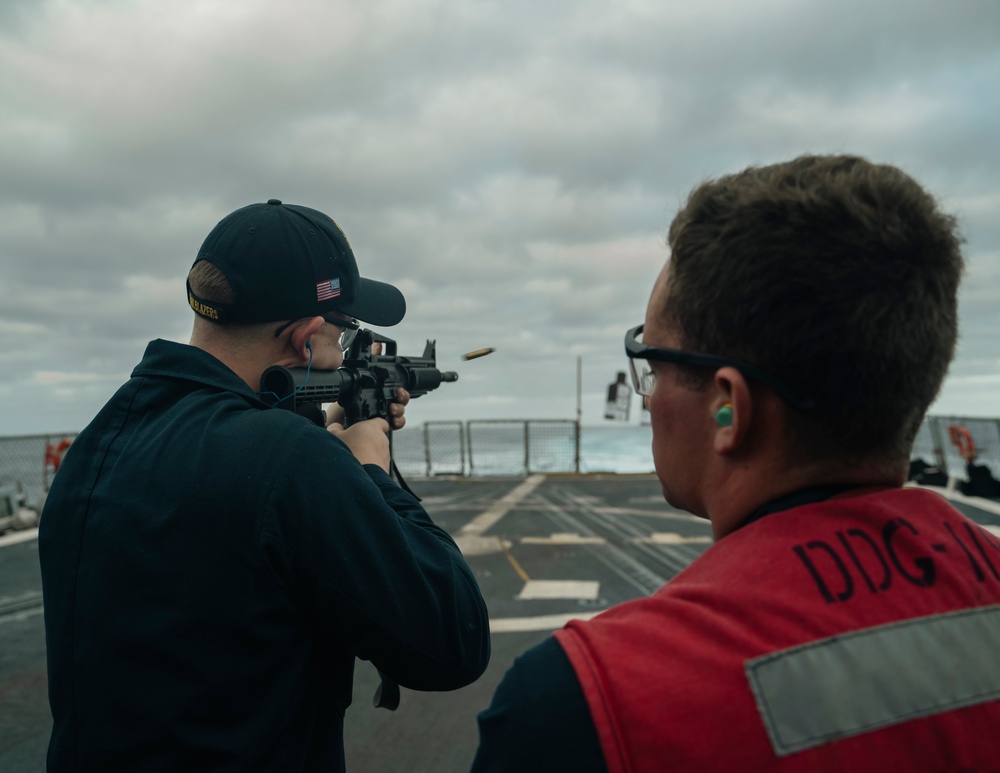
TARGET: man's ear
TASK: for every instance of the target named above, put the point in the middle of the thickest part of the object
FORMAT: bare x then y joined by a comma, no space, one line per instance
299,334
732,410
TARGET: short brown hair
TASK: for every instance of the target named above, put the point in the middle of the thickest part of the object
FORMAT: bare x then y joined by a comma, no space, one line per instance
210,283
834,273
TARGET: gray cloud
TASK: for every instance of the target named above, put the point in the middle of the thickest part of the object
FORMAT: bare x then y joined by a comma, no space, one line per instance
513,166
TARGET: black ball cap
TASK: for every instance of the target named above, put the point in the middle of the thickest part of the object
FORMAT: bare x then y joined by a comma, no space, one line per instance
286,261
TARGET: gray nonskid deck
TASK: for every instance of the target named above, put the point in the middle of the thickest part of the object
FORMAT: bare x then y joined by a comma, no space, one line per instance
544,549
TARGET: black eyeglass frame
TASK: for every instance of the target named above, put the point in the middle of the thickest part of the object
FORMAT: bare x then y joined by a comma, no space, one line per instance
639,351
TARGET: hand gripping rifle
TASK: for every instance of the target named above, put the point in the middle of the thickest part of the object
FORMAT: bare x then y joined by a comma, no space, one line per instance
364,386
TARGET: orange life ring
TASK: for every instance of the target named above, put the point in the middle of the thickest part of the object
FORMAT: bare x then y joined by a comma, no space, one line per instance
961,438
54,453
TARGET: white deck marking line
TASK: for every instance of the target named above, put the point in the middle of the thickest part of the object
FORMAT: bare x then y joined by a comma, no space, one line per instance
586,590
668,515
630,569
21,615
981,502
671,538
18,536
953,494
563,538
478,545
540,623
504,505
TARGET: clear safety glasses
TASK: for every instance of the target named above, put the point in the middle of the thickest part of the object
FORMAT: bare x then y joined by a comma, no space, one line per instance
644,379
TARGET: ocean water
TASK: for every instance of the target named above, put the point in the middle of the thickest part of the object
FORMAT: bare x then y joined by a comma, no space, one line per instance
518,447
617,448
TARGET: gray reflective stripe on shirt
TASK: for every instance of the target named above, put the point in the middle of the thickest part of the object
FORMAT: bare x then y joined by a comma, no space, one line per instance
865,680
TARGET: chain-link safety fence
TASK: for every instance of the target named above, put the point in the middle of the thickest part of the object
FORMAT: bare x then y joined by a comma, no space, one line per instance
502,447
436,448
934,444
472,448
488,448
27,463
498,448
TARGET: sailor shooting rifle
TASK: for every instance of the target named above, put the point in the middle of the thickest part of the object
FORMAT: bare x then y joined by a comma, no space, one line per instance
365,385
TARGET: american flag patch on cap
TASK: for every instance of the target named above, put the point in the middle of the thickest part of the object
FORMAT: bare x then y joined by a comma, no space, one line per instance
327,289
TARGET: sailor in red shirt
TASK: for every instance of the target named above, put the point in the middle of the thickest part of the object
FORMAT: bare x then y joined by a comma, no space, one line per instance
791,347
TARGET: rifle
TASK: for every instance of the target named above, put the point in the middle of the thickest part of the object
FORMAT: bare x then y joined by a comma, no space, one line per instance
364,385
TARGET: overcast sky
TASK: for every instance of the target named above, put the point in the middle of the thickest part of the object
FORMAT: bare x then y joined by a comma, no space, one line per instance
512,166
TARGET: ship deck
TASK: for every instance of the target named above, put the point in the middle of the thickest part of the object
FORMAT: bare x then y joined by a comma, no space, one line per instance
545,549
